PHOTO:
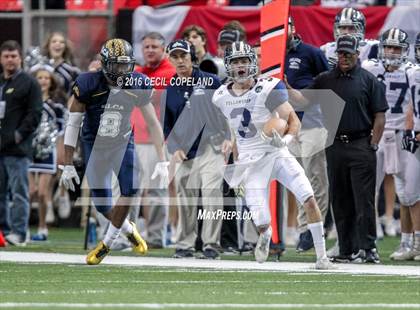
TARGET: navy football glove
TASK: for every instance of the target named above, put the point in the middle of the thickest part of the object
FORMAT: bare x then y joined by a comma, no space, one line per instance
409,142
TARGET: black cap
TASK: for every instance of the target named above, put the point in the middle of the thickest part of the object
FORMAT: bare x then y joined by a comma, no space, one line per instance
178,45
347,43
228,36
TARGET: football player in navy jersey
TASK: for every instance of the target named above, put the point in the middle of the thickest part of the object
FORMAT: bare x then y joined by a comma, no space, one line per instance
105,99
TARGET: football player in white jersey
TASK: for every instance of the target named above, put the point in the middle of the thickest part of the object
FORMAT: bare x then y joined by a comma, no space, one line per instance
349,21
248,103
408,249
391,69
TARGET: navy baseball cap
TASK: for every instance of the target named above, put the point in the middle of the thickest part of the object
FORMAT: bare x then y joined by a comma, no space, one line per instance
178,45
347,43
228,36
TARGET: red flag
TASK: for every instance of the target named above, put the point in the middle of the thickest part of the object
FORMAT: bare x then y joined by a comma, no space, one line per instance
274,27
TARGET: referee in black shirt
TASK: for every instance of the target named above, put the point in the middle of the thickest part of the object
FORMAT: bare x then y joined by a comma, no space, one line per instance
351,158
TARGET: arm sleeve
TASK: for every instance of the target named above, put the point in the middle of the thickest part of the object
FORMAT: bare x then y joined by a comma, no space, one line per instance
277,96
80,90
33,112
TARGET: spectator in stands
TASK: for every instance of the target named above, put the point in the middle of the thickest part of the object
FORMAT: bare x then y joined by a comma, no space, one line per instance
231,32
20,114
156,207
58,50
303,63
198,137
44,165
197,36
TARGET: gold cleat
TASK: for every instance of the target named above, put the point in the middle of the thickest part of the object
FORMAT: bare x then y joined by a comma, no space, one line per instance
139,244
97,254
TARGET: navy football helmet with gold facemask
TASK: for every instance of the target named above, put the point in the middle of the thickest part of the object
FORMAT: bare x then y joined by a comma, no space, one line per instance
117,59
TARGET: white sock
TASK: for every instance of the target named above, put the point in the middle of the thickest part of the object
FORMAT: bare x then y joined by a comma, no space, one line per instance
43,231
126,227
317,231
407,238
111,234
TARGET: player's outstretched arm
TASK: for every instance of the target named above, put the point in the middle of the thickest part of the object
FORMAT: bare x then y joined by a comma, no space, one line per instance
74,122
156,134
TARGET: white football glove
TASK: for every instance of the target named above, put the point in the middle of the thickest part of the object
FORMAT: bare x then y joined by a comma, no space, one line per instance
69,174
161,170
276,140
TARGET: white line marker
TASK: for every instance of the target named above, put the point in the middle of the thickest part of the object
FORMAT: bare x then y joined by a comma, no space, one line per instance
31,257
207,306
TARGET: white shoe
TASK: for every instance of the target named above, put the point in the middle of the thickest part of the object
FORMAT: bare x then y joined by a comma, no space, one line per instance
415,253
50,217
402,253
324,264
15,239
64,206
390,228
263,246
334,251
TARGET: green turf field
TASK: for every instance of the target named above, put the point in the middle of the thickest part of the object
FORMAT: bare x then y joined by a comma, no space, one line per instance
66,240
56,286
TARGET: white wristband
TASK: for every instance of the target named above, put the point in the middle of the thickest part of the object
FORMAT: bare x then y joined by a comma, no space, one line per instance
72,128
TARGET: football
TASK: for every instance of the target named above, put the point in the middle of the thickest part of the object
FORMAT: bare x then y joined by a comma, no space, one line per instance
279,124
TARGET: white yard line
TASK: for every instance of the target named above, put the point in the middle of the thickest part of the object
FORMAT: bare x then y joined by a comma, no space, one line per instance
208,306
33,257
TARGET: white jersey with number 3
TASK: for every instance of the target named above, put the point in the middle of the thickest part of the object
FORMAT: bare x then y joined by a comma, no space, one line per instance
248,113
397,92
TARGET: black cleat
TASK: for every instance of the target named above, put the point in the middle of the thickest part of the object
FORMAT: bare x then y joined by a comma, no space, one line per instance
372,256
210,254
354,258
305,242
180,253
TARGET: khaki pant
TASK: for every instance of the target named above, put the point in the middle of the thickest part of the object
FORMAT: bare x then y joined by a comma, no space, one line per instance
153,197
314,163
204,172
